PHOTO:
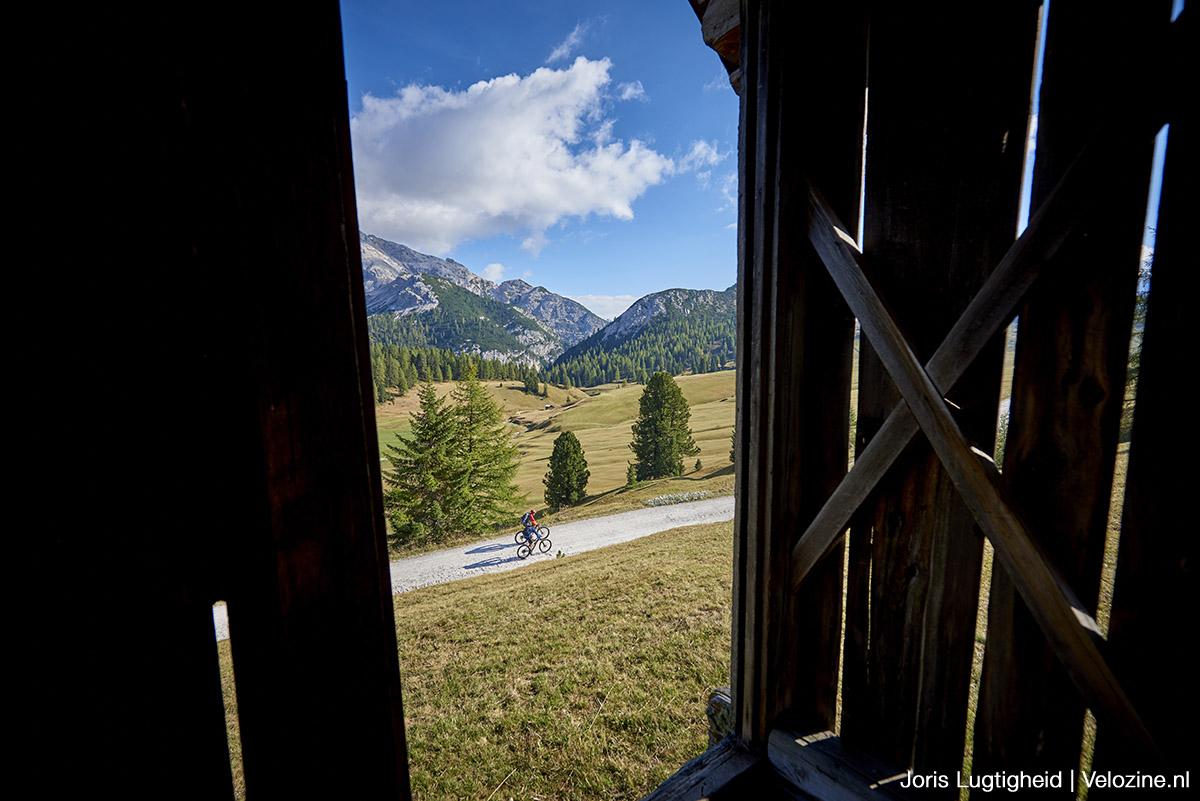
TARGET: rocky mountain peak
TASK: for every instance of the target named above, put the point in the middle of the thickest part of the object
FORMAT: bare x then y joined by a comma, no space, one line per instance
392,278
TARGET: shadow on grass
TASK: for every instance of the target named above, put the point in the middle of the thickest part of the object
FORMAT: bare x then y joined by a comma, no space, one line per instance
703,476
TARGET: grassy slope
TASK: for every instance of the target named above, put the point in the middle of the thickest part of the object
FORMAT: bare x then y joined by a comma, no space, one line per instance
604,426
575,678
603,422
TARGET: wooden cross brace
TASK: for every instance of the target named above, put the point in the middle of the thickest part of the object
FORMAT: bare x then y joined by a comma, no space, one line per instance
1066,623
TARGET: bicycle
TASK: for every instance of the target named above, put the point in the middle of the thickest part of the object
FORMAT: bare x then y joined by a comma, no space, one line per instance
539,541
540,531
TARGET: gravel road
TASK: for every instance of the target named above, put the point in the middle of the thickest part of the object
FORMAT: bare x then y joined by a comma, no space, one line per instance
493,556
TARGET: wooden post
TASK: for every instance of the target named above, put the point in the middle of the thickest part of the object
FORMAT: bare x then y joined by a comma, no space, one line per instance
1156,573
949,88
232,447
1068,387
794,354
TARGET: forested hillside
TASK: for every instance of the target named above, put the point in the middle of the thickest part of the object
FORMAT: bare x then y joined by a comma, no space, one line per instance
397,368
675,331
465,322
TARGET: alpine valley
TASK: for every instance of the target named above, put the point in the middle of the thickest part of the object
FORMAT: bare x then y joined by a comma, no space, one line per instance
417,301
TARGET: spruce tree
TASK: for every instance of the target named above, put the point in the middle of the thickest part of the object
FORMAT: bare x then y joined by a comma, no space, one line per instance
488,454
661,436
567,478
427,483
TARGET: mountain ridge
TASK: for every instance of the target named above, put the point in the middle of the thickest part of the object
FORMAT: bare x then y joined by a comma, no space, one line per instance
394,279
436,302
675,330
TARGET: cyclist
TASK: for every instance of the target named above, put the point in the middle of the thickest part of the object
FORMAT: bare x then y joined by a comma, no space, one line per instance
530,523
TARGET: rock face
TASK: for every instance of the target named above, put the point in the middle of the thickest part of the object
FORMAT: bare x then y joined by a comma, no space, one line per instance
571,321
395,280
384,261
404,294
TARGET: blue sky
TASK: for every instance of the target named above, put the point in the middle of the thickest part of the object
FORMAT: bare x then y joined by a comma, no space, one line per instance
593,154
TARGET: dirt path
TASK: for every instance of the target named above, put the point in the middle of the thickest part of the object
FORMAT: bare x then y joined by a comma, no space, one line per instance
493,556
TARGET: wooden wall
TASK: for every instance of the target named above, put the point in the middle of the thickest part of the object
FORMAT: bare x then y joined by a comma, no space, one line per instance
1069,381
940,276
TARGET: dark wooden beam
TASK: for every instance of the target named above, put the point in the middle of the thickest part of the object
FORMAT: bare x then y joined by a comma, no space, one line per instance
221,338
949,88
822,766
795,356
1156,565
1069,376
1081,188
707,774
1063,618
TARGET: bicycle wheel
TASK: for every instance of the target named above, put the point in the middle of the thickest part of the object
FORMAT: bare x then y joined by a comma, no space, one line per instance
523,551
544,545
519,537
544,532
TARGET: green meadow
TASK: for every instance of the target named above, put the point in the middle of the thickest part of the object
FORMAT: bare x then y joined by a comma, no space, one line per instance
602,417
578,678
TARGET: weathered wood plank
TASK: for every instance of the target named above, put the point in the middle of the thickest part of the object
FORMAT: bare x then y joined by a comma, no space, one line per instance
705,775
821,765
1063,619
720,26
799,370
813,337
747,673
941,207
993,307
1068,384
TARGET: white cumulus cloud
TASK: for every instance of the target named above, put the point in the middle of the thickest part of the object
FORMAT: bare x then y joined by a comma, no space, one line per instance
493,273
513,155
534,244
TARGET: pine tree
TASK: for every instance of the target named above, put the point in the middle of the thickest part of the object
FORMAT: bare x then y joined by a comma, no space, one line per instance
661,436
427,482
567,478
488,455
